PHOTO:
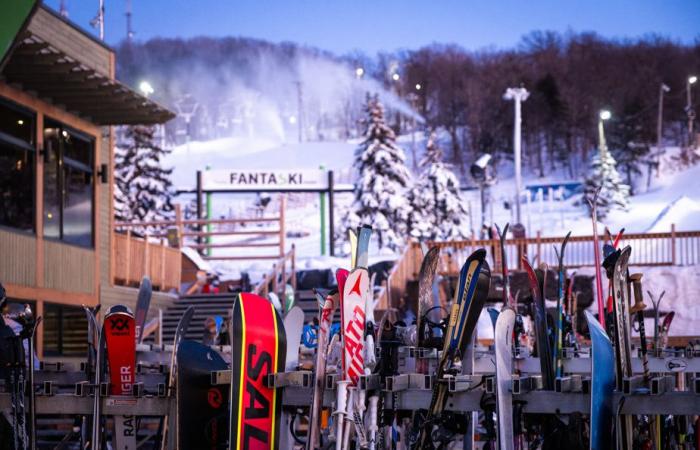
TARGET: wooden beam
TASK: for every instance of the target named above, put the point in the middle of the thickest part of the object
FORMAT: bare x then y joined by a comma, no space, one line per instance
63,297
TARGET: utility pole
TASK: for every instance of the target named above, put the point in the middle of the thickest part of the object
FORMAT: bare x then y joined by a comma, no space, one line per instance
518,95
129,30
63,10
300,110
99,20
663,88
690,111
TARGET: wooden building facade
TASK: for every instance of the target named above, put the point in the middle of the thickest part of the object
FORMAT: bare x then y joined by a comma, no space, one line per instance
58,102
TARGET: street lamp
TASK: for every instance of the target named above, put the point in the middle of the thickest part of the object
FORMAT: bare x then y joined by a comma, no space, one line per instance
359,72
603,116
146,88
395,77
418,86
518,95
689,110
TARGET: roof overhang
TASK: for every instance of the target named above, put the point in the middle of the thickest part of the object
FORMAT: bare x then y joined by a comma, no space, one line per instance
40,67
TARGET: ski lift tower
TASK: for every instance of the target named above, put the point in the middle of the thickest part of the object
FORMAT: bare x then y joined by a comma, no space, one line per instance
187,107
518,95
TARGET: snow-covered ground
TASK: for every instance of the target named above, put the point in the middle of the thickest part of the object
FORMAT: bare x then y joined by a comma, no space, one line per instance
674,198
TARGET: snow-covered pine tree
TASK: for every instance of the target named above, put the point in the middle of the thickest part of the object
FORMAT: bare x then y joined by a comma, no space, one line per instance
143,189
382,181
603,174
437,211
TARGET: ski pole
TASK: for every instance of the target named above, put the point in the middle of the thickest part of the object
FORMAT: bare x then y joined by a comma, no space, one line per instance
372,428
347,424
341,404
596,255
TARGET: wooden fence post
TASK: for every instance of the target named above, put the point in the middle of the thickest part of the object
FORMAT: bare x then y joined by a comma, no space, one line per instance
283,201
275,287
128,256
294,268
178,225
162,263
146,257
673,244
539,244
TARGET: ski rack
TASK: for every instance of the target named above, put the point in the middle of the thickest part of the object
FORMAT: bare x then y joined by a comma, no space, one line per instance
62,387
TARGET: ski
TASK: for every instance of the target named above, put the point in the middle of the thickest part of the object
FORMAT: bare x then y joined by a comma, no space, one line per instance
180,331
596,255
540,316
120,339
507,300
352,238
324,324
96,438
202,408
143,302
363,237
620,290
258,349
558,360
503,341
474,282
602,385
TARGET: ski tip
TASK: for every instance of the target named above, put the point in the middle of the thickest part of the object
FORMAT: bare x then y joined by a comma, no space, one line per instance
505,230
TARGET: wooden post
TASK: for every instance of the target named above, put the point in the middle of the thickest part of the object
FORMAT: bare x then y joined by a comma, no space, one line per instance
294,268
275,287
200,191
128,257
178,225
146,257
283,201
40,329
673,244
539,244
162,263
331,221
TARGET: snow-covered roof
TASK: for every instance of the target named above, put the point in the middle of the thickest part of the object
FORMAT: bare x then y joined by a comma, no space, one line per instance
196,259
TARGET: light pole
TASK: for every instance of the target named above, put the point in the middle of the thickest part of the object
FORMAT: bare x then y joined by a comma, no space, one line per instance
663,88
690,111
603,147
518,95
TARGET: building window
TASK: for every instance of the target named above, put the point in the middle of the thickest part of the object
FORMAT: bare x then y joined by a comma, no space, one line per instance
68,185
65,330
17,155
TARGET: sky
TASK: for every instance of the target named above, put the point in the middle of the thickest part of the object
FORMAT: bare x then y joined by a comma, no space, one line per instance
343,26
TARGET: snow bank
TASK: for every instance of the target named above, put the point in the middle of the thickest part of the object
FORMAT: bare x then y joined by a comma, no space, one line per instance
683,212
197,259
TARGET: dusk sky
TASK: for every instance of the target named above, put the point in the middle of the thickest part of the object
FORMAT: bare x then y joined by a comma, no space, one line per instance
343,26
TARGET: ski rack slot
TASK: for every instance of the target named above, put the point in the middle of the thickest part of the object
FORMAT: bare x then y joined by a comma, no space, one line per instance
632,384
137,389
562,384
104,389
662,384
162,390
490,382
81,388
396,383
55,366
586,385
462,383
48,388
299,378
331,379
521,384
370,382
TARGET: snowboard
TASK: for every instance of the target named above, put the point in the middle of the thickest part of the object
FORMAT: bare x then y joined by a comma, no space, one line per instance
503,342
258,348
426,277
474,283
325,320
293,326
602,385
119,329
202,409
143,301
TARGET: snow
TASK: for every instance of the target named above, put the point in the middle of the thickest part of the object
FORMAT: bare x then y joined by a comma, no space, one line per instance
196,259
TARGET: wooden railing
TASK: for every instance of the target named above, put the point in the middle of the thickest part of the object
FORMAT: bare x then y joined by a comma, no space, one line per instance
674,248
279,276
237,233
134,257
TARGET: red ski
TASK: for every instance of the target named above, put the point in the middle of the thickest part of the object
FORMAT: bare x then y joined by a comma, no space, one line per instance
120,337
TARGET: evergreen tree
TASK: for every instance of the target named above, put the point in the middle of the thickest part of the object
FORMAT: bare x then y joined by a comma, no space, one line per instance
437,211
383,179
603,174
143,189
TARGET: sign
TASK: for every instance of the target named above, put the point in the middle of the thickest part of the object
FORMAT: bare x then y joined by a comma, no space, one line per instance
14,16
257,180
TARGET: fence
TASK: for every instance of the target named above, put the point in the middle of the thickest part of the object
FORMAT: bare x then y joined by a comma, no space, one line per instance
278,277
674,248
134,257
